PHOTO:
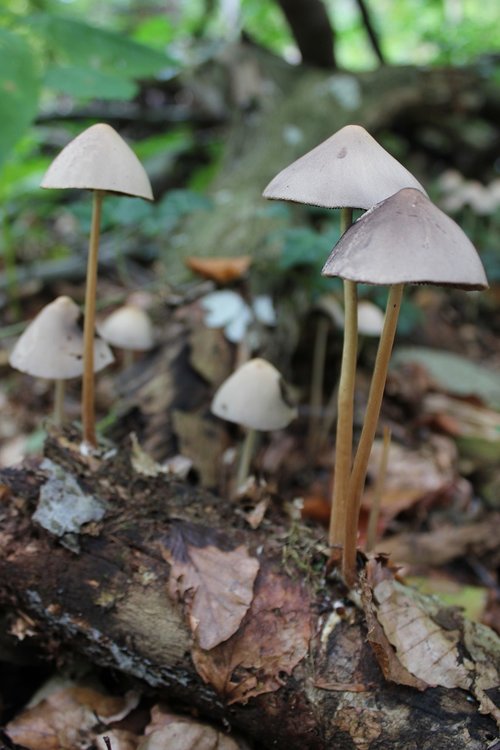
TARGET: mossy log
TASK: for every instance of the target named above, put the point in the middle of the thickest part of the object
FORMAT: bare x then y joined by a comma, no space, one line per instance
106,593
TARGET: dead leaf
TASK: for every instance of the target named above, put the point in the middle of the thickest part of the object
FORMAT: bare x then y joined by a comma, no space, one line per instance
66,717
203,441
423,646
210,354
389,663
169,730
273,638
221,270
437,645
446,543
187,735
119,739
215,586
413,474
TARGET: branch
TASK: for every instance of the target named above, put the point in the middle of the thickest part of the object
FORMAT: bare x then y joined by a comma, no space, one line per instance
105,594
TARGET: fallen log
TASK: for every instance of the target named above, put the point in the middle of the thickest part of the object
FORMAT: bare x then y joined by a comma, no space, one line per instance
283,656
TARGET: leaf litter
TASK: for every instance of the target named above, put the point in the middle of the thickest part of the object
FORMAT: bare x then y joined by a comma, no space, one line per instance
214,585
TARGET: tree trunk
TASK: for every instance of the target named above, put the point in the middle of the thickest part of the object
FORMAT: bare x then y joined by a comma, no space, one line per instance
312,31
107,593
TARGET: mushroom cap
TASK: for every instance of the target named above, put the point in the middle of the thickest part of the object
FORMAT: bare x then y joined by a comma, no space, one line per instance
370,318
349,169
407,239
129,327
254,397
99,159
52,344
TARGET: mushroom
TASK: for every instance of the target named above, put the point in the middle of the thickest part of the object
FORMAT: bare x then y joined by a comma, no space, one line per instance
52,347
128,328
348,170
98,160
405,239
253,397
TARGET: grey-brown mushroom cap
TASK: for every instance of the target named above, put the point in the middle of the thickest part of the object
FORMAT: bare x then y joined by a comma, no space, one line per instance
407,239
349,169
52,344
128,327
99,159
254,397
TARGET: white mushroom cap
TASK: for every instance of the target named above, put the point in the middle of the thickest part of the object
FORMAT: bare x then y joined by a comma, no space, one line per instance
52,345
99,159
253,397
370,318
407,239
129,327
349,169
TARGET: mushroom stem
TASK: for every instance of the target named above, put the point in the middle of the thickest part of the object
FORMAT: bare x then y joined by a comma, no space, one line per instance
316,396
345,406
358,475
59,388
128,358
247,451
88,407
371,534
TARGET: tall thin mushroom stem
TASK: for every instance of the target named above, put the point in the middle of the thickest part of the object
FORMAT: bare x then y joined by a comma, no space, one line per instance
247,451
88,407
345,408
59,390
358,475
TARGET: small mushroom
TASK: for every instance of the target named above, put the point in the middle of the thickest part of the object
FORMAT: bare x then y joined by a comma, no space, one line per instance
128,328
98,160
52,347
348,170
405,239
253,397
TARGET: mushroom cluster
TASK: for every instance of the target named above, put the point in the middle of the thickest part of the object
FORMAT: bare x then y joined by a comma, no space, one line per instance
401,239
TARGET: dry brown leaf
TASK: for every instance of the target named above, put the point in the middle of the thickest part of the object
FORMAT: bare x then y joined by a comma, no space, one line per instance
273,638
444,544
423,646
221,270
119,739
413,474
187,735
215,586
66,718
210,354
390,665
434,644
201,440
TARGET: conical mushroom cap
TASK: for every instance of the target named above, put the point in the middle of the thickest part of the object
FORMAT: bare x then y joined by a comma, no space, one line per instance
407,239
99,159
129,327
253,397
52,345
348,170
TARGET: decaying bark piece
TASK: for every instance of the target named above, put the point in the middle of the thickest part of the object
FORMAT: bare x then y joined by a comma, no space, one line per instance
298,670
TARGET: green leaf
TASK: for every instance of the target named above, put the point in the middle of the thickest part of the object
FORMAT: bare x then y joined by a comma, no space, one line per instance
454,373
88,83
82,45
19,87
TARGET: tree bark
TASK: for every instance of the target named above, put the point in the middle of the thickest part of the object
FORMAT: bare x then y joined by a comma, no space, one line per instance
103,593
311,28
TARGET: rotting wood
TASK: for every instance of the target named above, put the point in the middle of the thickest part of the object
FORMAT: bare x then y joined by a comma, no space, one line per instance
109,601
